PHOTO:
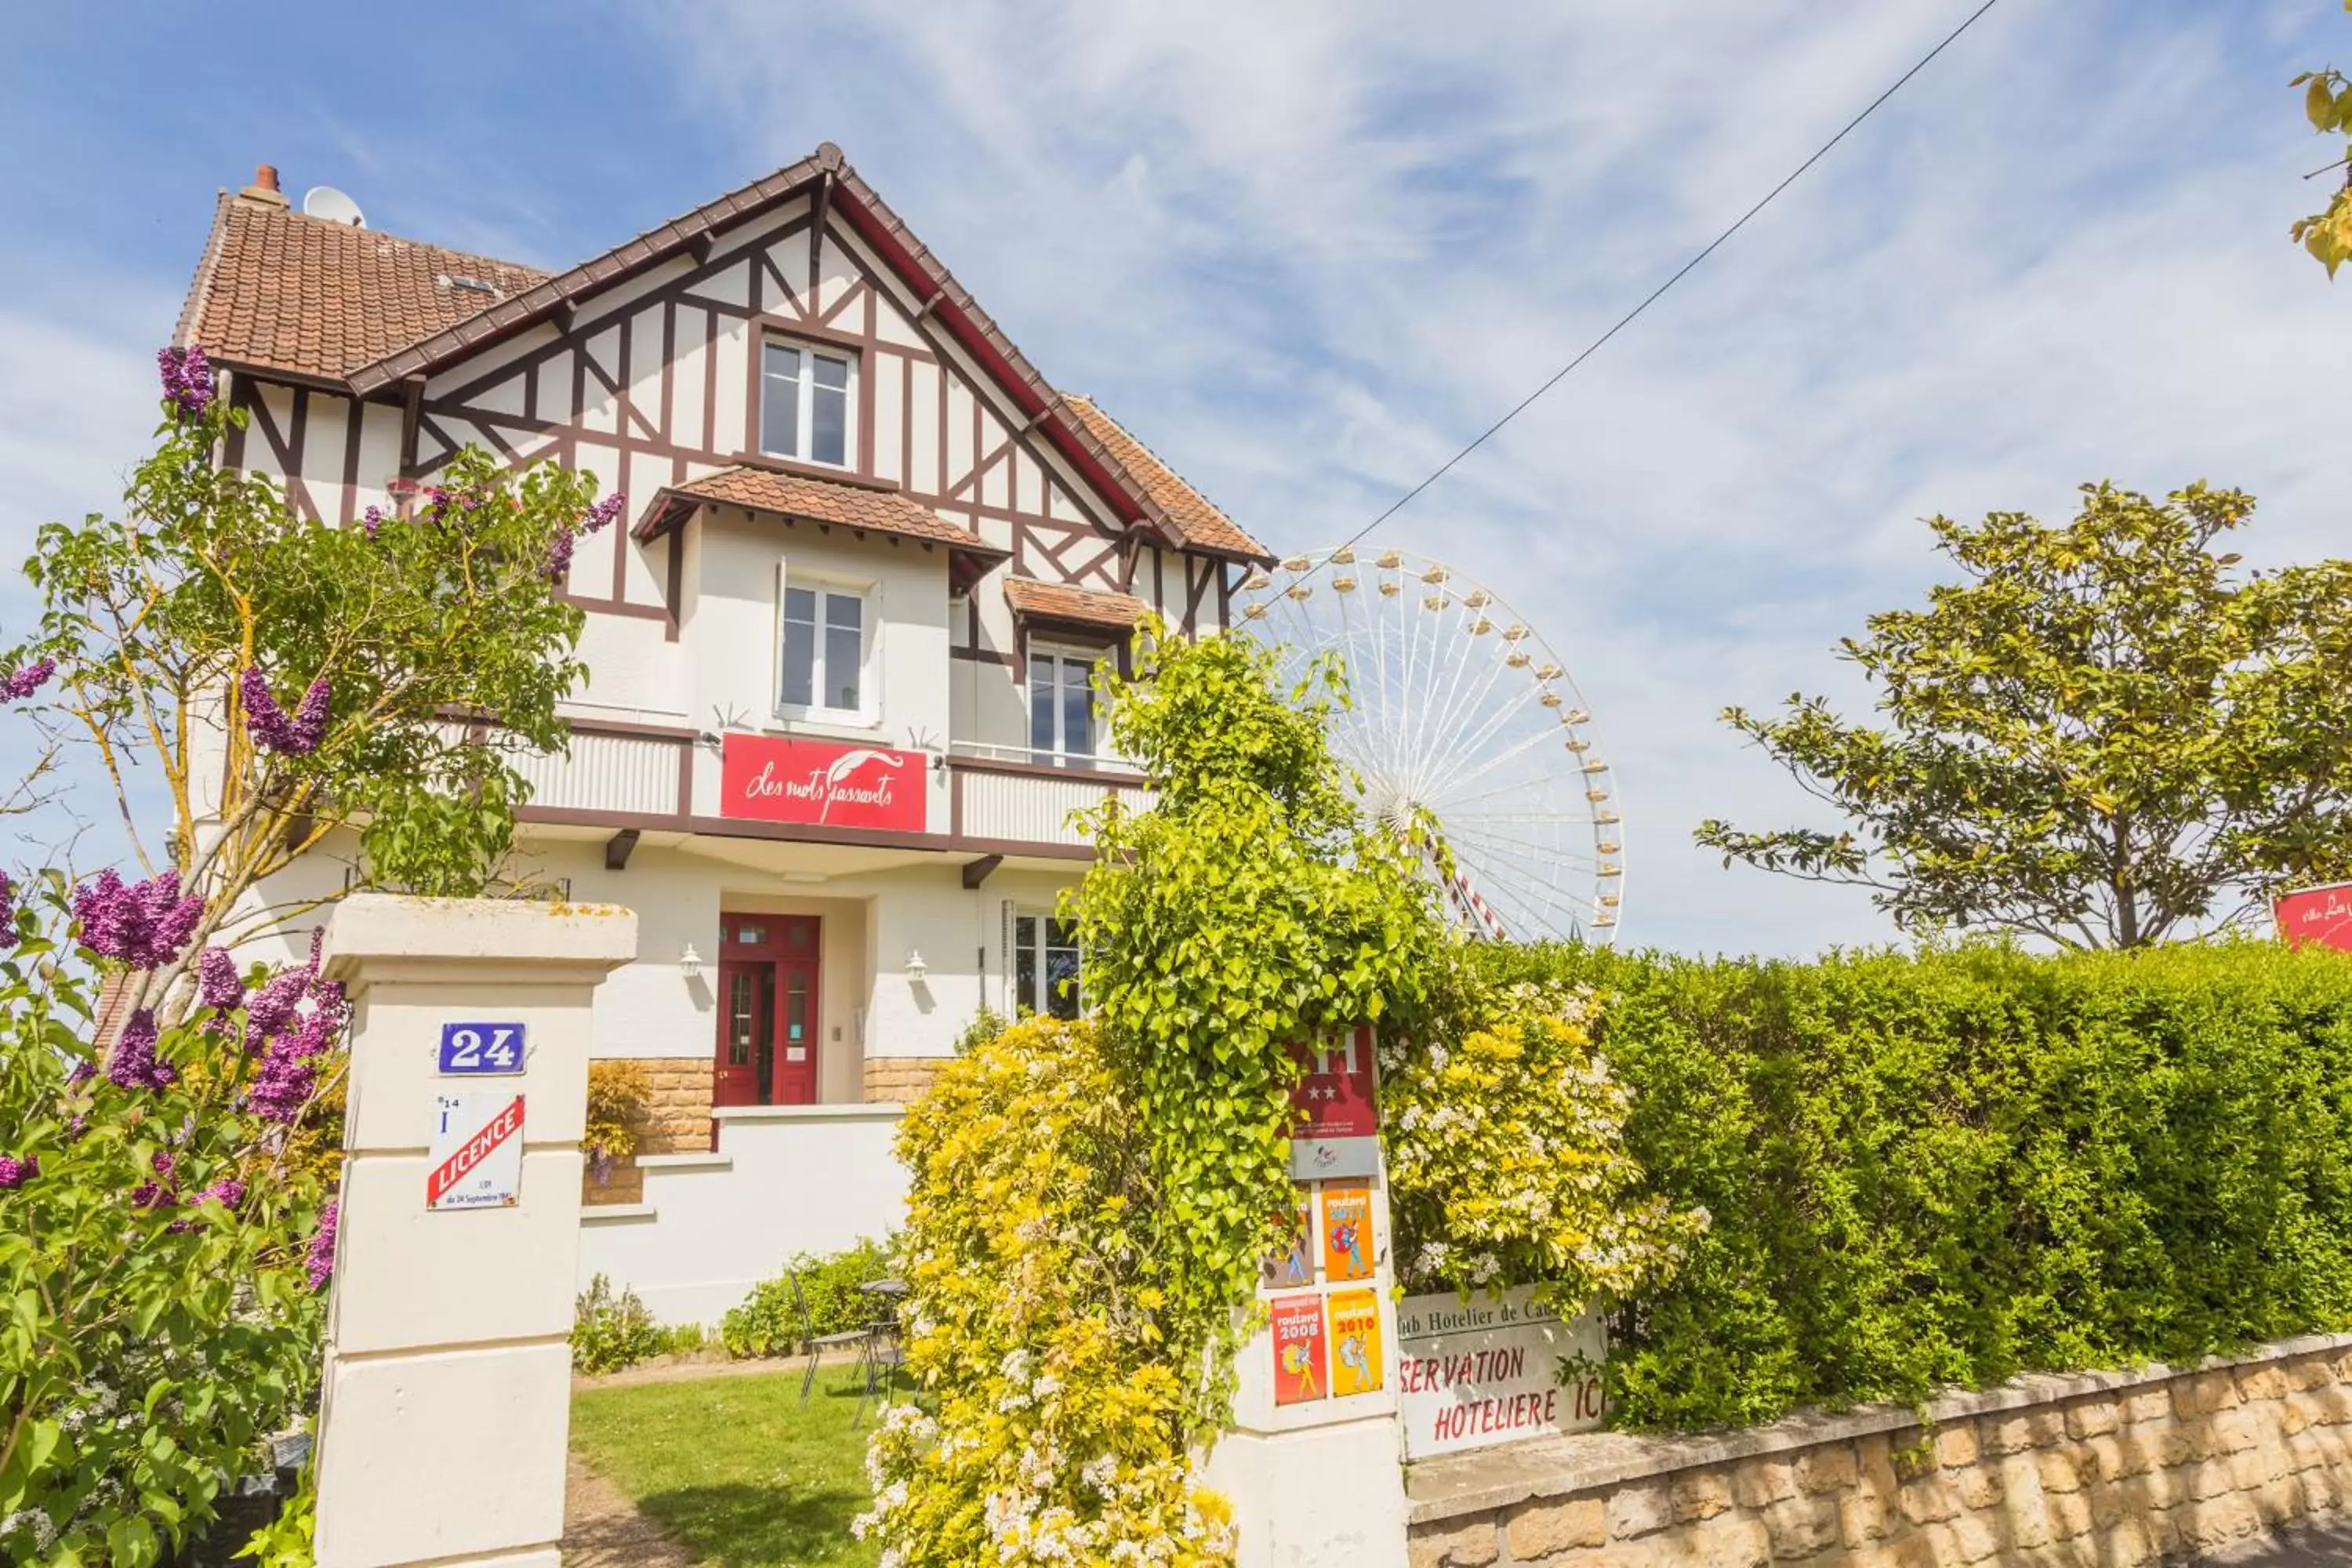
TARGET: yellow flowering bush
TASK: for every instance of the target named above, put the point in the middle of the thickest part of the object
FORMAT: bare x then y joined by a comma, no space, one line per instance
1506,1158
1050,1427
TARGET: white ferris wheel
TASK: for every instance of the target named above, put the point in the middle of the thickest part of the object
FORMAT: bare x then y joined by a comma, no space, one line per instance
1461,715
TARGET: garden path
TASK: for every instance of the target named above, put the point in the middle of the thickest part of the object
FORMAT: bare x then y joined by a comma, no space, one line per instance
603,1529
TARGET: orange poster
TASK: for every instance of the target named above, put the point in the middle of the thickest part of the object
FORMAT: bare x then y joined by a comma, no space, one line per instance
1299,1372
1356,1339
1347,1231
1291,1259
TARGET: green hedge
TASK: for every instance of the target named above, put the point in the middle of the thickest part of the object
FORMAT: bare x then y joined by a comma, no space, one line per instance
1948,1169
764,1325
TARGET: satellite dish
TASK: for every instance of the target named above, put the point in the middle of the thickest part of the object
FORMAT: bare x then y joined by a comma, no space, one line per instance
326,202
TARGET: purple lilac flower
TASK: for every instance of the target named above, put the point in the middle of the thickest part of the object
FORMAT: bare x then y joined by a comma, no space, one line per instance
187,379
8,912
16,1172
134,1064
271,729
289,1072
322,1248
17,685
218,984
83,1071
373,521
228,1192
600,516
558,554
144,924
159,1192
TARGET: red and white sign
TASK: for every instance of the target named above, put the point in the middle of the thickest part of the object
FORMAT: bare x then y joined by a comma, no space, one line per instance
476,1153
2317,915
822,782
1335,1129
1494,1369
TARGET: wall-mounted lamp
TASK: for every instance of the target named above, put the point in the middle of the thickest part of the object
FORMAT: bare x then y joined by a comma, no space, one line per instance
689,962
916,967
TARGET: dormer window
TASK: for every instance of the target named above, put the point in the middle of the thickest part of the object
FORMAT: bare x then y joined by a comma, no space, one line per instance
804,404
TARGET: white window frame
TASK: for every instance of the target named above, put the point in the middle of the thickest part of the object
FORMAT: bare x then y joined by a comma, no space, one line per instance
868,595
1014,915
804,426
1060,753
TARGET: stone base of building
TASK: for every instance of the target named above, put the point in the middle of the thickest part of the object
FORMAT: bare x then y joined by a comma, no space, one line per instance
2098,1470
894,1080
677,1108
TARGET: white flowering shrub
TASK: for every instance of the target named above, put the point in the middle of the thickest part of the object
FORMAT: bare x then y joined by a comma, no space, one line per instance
1050,1427
1506,1158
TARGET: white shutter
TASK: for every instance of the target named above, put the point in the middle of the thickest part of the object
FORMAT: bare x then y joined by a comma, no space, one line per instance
1011,998
774,647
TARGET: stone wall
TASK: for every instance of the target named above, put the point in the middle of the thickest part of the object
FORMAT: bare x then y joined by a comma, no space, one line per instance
894,1080
2101,1471
677,1122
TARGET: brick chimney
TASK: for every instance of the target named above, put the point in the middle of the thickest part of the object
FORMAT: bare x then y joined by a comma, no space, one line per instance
264,191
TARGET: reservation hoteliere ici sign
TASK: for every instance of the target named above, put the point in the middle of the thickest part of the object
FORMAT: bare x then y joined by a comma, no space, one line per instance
1489,1370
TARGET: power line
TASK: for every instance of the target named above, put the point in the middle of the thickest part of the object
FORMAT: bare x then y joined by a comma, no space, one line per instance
1680,273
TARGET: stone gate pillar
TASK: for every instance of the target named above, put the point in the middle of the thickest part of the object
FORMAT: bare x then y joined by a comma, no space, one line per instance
447,1385
1313,1462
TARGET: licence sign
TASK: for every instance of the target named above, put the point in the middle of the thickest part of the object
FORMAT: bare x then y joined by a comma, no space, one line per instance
476,1158
481,1048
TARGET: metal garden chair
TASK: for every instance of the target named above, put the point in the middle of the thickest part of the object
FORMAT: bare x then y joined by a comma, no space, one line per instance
817,1344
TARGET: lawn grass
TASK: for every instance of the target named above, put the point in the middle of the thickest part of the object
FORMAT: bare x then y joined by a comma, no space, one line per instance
736,1469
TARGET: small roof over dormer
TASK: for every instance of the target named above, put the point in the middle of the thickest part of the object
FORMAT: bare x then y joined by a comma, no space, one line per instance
1059,605
859,505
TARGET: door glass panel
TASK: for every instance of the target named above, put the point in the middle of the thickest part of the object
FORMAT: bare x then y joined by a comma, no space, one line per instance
1024,966
739,1020
751,935
1062,968
767,1032
796,1008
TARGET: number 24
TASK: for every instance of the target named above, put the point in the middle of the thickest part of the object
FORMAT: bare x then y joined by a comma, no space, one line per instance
471,1052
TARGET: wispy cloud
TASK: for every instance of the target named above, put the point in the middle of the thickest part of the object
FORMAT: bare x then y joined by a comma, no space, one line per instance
1307,250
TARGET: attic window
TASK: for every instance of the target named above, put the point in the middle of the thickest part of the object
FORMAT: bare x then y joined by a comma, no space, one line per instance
471,285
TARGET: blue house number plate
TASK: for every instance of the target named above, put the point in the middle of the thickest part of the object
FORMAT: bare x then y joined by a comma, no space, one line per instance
471,1049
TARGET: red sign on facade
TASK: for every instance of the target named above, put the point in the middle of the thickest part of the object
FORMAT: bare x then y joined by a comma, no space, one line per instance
822,782
2317,915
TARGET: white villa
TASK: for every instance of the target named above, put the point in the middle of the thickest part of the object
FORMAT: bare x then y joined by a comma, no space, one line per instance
837,711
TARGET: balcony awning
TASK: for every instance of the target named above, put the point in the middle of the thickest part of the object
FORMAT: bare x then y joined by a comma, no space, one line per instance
862,505
1060,607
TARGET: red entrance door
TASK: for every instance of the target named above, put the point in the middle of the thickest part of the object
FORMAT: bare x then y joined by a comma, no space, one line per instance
767,1050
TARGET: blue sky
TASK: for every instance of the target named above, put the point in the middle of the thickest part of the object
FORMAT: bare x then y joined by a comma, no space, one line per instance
1305,250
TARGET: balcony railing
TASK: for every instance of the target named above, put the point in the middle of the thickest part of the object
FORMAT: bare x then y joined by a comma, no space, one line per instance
1000,799
1013,796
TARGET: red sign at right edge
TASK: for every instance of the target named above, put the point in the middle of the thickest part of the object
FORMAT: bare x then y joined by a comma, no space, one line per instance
2318,917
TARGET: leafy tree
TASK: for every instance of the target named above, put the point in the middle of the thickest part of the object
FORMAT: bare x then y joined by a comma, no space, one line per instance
2328,104
284,679
2102,736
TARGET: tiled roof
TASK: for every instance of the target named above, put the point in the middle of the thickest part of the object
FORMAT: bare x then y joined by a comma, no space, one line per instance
1082,606
1200,522
299,294
835,501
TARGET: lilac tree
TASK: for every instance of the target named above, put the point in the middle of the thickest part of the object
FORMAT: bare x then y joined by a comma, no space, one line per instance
161,1232
299,686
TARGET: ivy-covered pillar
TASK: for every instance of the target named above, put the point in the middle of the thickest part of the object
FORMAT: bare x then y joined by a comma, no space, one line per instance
446,1397
1312,1460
